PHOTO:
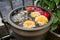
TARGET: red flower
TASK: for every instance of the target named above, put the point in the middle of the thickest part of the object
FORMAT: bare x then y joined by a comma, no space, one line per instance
29,8
46,14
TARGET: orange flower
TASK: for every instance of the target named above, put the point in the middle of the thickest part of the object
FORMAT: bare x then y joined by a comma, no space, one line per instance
29,24
35,14
41,20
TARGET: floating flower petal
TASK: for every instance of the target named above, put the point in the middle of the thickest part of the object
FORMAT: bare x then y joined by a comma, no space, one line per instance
35,14
29,24
41,20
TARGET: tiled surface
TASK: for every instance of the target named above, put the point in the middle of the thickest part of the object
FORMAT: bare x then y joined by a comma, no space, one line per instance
17,3
5,8
28,3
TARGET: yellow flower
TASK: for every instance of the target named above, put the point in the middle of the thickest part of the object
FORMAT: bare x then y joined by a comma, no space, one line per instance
41,20
35,14
29,24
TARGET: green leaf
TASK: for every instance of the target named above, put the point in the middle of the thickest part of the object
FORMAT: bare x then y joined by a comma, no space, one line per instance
58,13
55,18
52,5
39,3
56,1
53,27
44,5
59,21
54,13
47,2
